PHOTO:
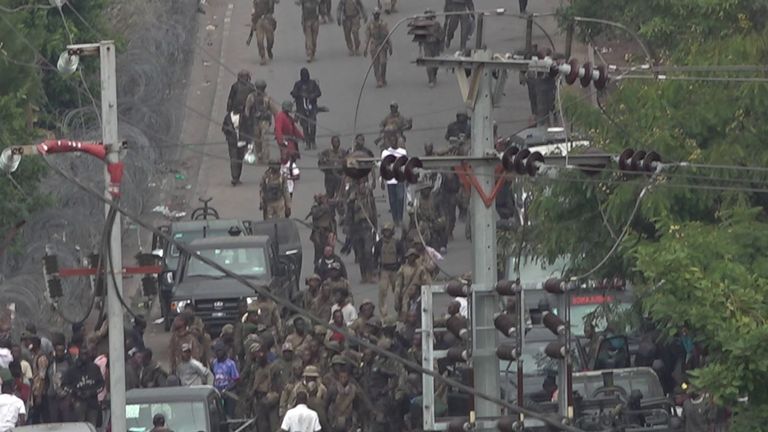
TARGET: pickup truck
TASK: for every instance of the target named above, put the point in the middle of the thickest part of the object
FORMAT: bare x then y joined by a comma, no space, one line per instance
185,232
216,297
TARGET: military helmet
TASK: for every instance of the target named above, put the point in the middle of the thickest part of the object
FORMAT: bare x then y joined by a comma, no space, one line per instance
390,321
338,359
244,75
389,226
410,252
260,84
429,13
461,114
376,11
394,104
366,302
287,105
311,371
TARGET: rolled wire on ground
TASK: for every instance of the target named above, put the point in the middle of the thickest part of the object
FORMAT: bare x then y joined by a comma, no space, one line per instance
149,91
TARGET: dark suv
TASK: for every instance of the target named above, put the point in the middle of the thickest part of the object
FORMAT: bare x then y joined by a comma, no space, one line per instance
217,297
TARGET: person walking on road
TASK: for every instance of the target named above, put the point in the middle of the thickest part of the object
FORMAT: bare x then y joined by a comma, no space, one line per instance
395,189
274,199
388,254
301,418
454,20
348,14
263,23
379,46
306,92
239,91
331,163
258,118
287,134
235,145
310,22
291,173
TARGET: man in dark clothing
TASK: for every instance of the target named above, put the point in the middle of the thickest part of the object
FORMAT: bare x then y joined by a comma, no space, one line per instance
151,374
460,126
83,382
236,145
136,333
305,93
58,402
239,91
323,266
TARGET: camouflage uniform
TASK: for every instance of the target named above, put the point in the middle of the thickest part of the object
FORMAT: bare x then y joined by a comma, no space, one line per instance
375,36
258,112
361,223
388,255
331,163
453,21
263,23
432,48
316,391
275,201
408,282
348,14
310,21
323,225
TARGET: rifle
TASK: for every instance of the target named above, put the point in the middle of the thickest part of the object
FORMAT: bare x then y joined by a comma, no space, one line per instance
250,37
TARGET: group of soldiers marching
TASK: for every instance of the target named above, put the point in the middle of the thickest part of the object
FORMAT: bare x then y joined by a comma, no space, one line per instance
377,44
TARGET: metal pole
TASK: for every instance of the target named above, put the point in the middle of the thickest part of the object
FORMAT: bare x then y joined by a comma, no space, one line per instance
485,362
479,30
114,284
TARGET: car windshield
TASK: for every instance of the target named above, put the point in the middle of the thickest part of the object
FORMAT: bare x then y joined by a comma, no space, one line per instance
646,382
247,262
187,237
179,416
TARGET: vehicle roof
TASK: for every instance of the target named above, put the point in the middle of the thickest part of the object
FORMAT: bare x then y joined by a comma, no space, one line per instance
287,231
169,394
228,242
58,427
197,225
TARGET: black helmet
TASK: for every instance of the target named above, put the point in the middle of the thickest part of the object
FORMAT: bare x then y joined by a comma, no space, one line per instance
260,84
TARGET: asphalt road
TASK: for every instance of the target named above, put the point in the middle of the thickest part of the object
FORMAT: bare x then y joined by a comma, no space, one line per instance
221,52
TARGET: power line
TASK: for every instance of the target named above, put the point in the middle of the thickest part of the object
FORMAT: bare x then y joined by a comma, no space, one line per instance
25,7
301,311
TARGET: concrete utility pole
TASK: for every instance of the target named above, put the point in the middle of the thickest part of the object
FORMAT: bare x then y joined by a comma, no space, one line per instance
484,361
115,281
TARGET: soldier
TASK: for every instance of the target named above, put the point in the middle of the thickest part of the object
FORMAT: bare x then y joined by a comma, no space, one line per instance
239,91
264,397
433,46
317,392
409,279
313,290
182,335
299,338
310,22
359,326
283,367
388,255
268,314
460,126
338,364
453,21
395,122
274,199
331,163
379,46
305,92
347,404
335,280
361,223
379,381
360,146
348,15
258,116
263,23
321,305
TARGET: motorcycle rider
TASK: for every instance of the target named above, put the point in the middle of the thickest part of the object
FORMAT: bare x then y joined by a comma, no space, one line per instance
305,93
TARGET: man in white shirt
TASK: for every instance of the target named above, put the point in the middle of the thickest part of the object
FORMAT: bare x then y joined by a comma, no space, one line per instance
395,189
190,371
12,411
341,302
300,418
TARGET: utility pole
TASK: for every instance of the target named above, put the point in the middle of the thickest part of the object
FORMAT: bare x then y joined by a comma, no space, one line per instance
115,281
484,360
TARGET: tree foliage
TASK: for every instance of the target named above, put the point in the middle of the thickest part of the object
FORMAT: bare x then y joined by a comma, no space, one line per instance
33,95
698,229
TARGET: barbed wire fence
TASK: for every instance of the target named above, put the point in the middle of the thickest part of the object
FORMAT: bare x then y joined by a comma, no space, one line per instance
150,73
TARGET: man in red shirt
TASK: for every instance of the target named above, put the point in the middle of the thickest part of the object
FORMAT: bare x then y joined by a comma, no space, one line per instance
287,133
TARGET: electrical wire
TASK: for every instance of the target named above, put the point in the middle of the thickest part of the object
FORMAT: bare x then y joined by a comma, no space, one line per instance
262,291
25,7
114,209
